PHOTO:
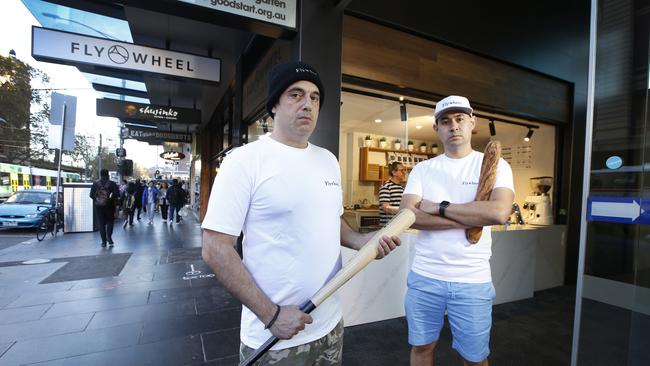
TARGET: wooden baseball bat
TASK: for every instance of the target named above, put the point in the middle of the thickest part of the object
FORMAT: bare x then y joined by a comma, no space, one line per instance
402,221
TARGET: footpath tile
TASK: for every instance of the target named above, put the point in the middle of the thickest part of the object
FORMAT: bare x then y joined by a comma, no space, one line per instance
43,328
97,304
172,352
17,315
68,345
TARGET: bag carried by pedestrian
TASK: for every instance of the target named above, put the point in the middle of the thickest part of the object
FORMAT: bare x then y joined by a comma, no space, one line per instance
129,202
102,195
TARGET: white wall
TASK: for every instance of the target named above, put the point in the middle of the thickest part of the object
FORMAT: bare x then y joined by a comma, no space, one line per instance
542,157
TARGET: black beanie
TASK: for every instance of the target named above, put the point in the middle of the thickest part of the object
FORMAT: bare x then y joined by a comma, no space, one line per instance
286,74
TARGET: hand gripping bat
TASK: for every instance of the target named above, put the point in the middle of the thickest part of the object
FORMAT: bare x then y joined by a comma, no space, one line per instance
402,221
485,183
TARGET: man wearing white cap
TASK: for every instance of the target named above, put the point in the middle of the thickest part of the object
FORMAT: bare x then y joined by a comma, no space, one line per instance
448,273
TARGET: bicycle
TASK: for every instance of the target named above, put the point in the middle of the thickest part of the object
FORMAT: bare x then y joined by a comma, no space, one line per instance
49,223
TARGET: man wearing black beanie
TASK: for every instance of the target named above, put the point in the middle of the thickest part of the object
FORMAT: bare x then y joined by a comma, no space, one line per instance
285,194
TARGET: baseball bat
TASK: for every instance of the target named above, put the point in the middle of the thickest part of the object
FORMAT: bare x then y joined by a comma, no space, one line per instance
402,221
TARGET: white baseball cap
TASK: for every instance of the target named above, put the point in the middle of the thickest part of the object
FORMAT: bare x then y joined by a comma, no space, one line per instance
452,102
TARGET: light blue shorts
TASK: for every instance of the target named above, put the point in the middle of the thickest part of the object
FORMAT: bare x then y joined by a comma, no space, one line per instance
469,310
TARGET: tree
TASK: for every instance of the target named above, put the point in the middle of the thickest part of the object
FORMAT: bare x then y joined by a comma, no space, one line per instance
15,101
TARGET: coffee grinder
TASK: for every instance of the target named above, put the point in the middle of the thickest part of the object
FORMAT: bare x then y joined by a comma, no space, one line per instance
538,205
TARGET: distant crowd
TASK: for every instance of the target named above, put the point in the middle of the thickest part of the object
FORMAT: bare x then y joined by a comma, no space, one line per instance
152,197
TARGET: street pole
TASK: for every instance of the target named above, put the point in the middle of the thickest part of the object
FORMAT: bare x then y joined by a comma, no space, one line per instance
121,158
99,157
58,173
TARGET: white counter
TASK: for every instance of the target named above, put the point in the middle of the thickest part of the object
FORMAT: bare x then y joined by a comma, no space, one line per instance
524,259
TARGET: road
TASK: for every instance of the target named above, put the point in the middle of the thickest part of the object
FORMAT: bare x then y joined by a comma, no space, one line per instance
12,237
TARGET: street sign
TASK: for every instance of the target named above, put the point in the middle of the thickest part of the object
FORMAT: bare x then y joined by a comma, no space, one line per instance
276,12
151,135
62,107
147,112
51,45
172,155
120,152
624,210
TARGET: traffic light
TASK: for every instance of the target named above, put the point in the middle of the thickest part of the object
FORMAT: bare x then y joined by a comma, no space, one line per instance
126,167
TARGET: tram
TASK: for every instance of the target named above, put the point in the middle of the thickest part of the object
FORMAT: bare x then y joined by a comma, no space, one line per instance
18,177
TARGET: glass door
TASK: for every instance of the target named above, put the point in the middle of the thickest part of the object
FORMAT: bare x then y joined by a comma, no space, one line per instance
613,304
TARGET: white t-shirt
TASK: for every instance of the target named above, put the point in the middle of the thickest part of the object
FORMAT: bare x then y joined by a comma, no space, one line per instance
446,255
288,202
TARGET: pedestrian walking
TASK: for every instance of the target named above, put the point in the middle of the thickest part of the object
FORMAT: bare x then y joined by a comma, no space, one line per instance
149,199
128,204
104,193
162,201
175,200
139,189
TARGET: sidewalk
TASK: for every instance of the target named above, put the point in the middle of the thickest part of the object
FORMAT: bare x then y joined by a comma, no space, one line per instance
137,304
128,305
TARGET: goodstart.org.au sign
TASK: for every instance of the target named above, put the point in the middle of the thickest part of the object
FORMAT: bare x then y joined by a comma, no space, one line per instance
280,12
72,48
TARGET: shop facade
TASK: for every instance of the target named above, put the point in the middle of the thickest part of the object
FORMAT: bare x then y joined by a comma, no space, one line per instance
524,68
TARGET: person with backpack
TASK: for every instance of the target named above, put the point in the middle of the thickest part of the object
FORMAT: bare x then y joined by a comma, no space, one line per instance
104,192
175,197
128,204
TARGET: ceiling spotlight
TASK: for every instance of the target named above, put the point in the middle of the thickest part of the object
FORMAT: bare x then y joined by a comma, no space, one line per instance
493,129
402,112
377,120
418,127
529,134
401,98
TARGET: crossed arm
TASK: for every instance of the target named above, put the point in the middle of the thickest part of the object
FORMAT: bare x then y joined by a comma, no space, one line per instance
461,215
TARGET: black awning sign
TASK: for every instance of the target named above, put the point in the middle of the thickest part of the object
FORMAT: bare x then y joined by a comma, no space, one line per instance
157,136
172,155
147,112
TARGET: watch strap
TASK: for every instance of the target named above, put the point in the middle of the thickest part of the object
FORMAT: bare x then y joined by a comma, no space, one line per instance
443,206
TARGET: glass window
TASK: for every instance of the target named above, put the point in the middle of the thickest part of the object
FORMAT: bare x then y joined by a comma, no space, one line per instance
5,179
30,198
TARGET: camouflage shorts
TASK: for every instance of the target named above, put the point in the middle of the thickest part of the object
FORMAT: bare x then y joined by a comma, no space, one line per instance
325,351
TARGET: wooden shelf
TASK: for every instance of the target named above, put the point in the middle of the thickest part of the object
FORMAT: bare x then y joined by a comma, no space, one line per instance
378,173
379,149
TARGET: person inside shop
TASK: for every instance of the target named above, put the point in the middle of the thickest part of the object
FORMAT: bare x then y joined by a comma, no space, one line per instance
390,193
448,273
285,194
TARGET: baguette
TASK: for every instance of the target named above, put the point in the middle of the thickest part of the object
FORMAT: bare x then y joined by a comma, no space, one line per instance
485,183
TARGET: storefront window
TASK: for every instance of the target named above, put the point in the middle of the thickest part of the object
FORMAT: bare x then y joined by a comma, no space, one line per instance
261,127
376,123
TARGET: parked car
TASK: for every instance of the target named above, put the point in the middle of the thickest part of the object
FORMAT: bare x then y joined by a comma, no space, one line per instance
25,208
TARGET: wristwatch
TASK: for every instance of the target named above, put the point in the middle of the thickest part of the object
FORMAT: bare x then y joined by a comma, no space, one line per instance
443,206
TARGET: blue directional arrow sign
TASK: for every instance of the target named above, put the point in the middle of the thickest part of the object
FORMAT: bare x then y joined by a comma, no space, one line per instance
625,210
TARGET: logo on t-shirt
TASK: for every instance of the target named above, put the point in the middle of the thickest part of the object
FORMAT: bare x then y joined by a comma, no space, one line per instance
331,183
466,183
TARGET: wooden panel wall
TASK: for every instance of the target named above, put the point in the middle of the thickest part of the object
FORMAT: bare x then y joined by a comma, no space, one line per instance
386,55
